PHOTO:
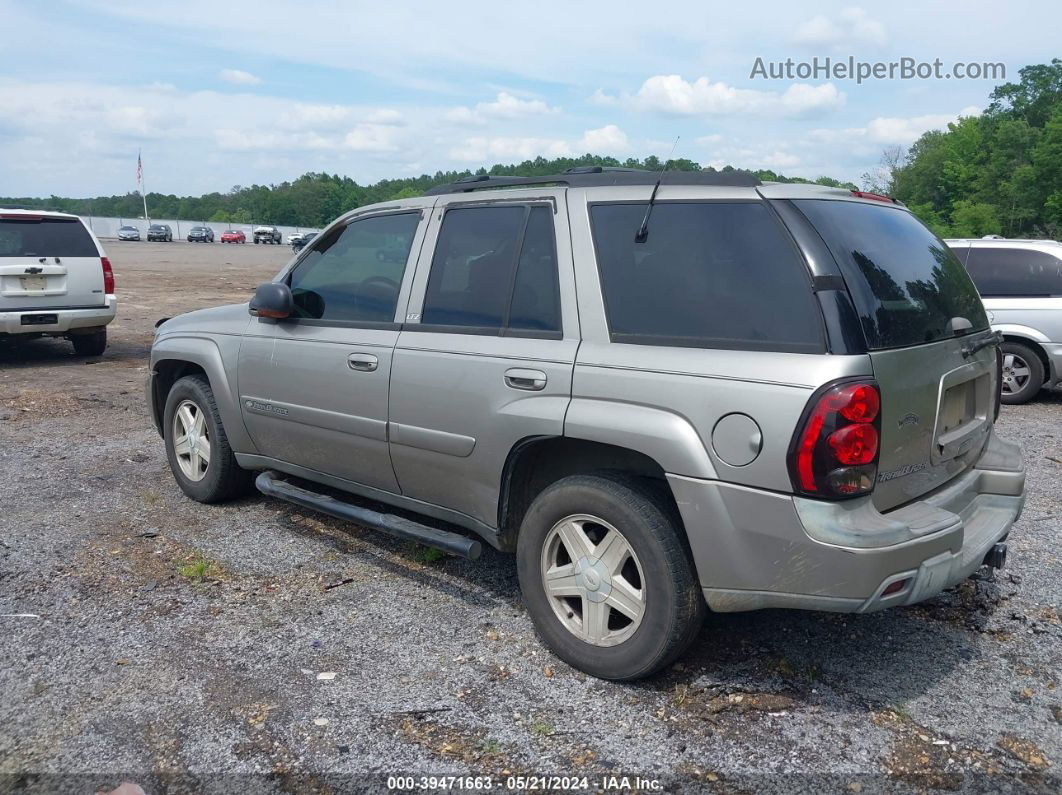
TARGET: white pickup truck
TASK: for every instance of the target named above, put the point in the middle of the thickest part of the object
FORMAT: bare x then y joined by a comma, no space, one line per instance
55,280
268,234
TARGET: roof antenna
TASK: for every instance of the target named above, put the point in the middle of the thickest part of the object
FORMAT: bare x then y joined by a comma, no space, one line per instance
643,231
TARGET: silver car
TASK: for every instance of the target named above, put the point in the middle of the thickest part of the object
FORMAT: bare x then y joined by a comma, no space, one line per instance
664,394
1020,282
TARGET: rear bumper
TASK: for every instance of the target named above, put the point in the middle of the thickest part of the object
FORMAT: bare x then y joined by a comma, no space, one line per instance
755,549
66,319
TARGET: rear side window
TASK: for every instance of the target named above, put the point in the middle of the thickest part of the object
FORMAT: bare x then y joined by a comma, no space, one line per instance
710,275
1014,272
45,237
906,284
354,273
495,268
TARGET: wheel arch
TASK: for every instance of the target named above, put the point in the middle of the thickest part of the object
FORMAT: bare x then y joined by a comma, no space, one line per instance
534,463
173,358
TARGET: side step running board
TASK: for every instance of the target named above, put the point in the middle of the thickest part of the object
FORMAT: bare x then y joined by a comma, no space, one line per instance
269,483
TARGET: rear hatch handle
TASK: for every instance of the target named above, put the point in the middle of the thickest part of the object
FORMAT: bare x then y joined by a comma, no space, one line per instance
994,338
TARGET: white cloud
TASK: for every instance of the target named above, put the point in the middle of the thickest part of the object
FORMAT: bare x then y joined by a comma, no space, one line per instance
239,77
481,149
886,130
505,106
708,140
675,95
853,28
609,139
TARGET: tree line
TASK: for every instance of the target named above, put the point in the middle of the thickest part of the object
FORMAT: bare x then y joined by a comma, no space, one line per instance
998,173
314,199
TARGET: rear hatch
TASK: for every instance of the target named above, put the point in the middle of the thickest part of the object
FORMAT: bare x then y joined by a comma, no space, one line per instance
48,262
926,330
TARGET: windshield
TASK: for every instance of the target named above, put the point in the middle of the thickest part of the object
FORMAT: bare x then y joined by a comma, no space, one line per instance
906,284
158,228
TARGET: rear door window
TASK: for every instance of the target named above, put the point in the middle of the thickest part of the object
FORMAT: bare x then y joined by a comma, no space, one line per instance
495,270
45,237
905,282
1014,272
709,275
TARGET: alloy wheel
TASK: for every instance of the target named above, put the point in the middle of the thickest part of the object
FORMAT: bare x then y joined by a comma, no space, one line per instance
191,440
593,580
1016,373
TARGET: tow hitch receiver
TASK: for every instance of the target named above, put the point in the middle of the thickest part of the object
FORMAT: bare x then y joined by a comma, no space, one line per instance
996,556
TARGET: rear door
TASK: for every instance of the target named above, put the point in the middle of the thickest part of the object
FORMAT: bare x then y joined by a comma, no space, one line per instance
48,262
922,319
486,355
1020,286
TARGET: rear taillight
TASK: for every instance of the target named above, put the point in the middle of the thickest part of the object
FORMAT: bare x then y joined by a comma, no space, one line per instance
108,276
834,453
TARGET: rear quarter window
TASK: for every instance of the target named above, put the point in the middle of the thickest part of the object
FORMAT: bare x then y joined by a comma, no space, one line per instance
999,272
45,237
905,282
709,275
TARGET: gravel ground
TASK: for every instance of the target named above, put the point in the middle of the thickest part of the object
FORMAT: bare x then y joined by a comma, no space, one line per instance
182,646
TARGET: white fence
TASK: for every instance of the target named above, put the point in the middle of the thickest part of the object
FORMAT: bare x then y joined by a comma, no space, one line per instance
108,227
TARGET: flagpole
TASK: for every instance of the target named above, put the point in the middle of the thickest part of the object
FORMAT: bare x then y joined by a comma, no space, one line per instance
143,190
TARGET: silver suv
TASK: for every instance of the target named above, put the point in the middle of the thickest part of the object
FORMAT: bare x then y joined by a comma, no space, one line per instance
664,395
1021,284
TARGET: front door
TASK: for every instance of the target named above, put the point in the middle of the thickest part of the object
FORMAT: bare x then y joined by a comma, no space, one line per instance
486,356
314,388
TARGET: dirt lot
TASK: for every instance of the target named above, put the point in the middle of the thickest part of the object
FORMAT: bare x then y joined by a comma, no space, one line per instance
146,636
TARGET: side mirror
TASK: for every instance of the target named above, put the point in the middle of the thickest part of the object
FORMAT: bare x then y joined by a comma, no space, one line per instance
272,299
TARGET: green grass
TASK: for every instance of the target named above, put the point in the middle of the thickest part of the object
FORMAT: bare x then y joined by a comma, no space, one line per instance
542,728
491,746
427,555
199,568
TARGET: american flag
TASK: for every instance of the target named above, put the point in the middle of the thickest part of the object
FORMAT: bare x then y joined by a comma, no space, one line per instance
139,170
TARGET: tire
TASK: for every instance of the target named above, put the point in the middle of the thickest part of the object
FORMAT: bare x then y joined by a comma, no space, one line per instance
93,344
655,559
1023,373
222,479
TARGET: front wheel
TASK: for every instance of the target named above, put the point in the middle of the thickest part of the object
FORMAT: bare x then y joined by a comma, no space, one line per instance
606,577
1023,373
197,447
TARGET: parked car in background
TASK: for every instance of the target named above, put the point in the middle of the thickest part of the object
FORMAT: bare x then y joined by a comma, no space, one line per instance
295,237
128,233
268,234
55,280
721,394
1020,282
200,234
233,236
160,232
300,243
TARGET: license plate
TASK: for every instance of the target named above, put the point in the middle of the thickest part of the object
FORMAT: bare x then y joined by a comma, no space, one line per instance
39,320
33,282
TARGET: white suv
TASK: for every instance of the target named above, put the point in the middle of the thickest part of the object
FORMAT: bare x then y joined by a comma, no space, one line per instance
55,280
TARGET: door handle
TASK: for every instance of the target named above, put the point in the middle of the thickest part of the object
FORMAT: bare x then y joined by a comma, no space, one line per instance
532,380
363,362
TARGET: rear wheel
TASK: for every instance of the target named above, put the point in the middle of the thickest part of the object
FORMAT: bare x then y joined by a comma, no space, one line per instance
1023,373
197,447
607,578
93,344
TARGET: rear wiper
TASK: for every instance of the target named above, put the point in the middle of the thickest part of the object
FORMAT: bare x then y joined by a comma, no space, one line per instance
995,338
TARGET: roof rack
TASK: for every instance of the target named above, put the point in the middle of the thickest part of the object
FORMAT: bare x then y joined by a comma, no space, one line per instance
597,176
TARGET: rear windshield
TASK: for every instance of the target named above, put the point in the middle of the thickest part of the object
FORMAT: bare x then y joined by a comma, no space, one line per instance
906,284
709,275
45,237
